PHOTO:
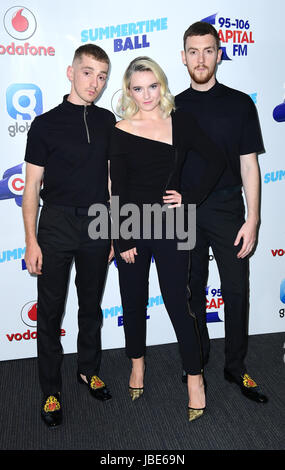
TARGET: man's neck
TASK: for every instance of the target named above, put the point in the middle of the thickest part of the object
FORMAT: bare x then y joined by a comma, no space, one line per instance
203,86
74,99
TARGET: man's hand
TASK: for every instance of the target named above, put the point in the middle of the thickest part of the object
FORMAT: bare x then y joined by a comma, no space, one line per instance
248,233
34,258
251,182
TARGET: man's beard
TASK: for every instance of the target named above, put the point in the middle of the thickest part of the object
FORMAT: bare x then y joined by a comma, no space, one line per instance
202,79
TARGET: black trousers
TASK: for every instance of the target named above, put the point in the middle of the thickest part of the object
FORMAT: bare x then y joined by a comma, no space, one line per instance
63,238
172,268
219,219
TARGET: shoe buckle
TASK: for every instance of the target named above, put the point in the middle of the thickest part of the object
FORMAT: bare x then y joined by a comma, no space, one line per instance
96,382
51,404
248,382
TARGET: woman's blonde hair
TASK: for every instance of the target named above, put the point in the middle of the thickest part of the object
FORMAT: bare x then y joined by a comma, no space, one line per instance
126,107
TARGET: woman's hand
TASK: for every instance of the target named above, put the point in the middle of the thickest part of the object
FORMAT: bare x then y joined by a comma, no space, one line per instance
173,198
129,256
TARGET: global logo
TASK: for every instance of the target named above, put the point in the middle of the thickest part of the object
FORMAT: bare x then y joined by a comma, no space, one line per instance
24,101
20,23
282,291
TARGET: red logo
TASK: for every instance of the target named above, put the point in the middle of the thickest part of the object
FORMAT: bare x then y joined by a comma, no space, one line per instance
29,314
20,23
29,317
279,252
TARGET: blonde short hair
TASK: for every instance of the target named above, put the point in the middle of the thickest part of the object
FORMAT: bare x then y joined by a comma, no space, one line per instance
126,106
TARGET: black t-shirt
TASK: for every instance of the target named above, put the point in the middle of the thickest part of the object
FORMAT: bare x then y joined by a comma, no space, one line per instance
71,143
230,119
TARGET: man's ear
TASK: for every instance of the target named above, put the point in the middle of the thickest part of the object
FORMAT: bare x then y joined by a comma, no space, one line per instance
183,57
219,58
69,73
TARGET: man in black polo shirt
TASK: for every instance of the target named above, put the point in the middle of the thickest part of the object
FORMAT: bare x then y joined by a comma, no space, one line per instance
230,119
67,151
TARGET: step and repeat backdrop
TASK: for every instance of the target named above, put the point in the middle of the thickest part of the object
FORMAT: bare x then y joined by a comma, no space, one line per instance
37,42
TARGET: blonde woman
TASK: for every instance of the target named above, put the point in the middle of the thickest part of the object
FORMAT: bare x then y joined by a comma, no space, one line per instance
148,147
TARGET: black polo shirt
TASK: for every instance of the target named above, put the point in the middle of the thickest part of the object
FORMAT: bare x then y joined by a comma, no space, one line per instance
71,143
230,119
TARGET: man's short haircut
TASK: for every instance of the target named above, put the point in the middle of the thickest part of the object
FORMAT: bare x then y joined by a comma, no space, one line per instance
200,28
92,50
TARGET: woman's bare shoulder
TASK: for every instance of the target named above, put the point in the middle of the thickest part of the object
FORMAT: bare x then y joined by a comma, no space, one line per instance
124,125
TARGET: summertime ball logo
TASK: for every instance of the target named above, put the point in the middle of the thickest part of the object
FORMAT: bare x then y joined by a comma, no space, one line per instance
127,36
20,23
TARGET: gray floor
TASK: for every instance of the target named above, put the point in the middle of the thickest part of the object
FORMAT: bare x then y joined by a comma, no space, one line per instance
157,421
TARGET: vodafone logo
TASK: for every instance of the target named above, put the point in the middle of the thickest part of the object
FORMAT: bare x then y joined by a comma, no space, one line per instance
277,252
29,314
20,22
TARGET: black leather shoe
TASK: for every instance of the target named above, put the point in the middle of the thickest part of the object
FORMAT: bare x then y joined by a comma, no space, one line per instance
51,411
248,387
96,386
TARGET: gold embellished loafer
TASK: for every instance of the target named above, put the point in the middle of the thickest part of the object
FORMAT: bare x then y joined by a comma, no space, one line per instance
51,411
96,386
248,387
135,393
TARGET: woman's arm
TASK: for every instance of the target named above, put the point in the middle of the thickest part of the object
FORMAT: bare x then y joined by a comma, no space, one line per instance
119,189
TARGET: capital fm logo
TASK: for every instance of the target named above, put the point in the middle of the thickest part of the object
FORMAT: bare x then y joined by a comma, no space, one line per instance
12,183
214,302
24,102
235,35
20,24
